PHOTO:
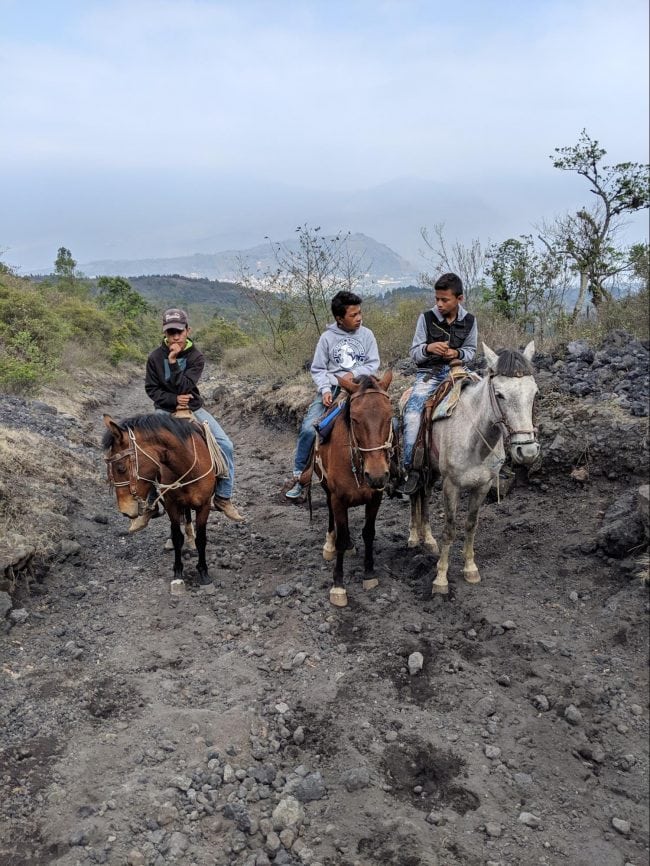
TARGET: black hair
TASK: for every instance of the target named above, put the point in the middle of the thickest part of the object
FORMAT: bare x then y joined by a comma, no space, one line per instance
449,282
513,363
341,301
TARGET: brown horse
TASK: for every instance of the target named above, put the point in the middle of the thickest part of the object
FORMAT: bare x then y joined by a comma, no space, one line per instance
171,456
353,469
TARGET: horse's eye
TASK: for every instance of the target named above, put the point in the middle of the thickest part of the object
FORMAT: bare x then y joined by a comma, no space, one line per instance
499,395
120,468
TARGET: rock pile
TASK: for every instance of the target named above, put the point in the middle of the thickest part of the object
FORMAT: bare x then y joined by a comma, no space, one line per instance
617,372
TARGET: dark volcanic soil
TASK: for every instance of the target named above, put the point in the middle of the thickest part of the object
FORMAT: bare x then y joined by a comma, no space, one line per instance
251,722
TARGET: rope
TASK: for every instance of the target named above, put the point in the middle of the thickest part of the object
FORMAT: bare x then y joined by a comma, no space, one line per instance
218,460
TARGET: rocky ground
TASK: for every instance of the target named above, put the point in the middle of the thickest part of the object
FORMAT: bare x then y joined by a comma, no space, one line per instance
251,723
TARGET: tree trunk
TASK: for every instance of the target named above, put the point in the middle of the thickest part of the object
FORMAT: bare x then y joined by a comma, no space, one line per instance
582,294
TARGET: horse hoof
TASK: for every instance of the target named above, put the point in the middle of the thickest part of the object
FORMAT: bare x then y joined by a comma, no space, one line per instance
139,523
177,587
431,546
329,555
205,579
168,545
370,583
472,576
440,589
412,542
338,596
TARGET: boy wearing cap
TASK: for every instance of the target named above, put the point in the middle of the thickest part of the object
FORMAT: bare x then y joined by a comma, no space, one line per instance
171,381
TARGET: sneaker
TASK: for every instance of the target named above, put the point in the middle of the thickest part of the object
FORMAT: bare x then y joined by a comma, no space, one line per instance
226,507
295,491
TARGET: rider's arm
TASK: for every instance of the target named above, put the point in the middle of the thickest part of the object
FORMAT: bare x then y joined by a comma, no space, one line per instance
155,386
468,349
418,350
323,379
371,363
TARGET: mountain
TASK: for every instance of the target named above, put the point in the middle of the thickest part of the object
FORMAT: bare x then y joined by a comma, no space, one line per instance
382,267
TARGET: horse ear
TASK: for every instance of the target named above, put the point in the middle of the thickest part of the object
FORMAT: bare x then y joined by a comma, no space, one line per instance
385,380
529,351
491,357
348,385
113,427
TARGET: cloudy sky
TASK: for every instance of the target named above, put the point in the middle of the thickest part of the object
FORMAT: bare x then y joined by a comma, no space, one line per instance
160,127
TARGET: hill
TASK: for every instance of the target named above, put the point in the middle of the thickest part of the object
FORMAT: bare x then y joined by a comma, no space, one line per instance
381,266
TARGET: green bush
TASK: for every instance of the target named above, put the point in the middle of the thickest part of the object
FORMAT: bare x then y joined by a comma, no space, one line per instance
218,336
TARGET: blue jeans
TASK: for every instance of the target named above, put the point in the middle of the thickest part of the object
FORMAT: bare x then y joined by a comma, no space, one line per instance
422,390
224,485
307,435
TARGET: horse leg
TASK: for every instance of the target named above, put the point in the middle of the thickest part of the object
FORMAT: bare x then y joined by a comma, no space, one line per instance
177,539
190,539
329,548
416,520
368,534
338,595
450,497
201,541
476,497
425,524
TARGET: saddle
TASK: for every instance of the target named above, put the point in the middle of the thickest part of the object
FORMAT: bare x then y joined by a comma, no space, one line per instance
439,405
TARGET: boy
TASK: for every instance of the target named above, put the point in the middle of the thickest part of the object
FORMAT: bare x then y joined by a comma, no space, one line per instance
445,333
171,380
346,349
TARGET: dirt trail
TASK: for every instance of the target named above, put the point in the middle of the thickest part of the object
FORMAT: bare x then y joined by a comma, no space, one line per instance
251,723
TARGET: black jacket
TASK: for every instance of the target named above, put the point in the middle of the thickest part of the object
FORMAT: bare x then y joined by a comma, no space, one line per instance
164,381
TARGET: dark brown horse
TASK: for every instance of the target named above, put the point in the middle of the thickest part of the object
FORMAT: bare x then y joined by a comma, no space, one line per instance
171,456
353,468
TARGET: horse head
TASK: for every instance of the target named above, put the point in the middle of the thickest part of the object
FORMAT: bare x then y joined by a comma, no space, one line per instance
370,418
130,470
512,392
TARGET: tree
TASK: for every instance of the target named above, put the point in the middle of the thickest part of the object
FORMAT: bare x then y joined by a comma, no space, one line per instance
64,265
468,262
527,284
293,298
118,296
588,237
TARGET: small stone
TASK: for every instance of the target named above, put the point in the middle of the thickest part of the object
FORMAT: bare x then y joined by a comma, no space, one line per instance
509,625
135,858
284,590
504,680
18,615
356,778
434,817
415,663
299,736
298,659
529,820
573,715
541,703
493,829
492,752
621,826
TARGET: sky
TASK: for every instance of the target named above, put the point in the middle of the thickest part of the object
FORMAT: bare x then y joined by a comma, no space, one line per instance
139,128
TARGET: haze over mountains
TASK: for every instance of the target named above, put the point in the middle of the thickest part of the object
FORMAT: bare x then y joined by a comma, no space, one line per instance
380,266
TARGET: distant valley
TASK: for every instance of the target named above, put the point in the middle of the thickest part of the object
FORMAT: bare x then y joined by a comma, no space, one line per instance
381,267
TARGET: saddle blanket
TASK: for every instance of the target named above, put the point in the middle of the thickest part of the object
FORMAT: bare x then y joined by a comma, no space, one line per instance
443,403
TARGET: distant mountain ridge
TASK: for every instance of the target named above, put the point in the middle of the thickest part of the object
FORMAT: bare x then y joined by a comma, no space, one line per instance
381,266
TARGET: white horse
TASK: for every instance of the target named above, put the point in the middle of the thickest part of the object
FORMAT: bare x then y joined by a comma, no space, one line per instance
468,449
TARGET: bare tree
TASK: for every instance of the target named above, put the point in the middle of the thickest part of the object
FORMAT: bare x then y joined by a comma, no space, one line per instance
469,262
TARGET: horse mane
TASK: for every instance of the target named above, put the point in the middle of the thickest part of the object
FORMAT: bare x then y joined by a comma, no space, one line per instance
512,363
366,383
153,423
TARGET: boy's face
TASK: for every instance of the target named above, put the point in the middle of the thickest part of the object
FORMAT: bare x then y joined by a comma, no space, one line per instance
447,303
352,318
177,338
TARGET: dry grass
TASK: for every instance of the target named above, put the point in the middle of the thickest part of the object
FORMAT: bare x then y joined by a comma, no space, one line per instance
32,472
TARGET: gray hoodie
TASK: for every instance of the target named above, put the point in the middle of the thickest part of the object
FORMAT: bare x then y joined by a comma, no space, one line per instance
340,352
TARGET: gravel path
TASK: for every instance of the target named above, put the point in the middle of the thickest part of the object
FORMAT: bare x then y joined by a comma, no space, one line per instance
251,723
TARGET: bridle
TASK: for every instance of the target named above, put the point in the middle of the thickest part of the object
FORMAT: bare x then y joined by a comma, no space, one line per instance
501,421
131,454
356,451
